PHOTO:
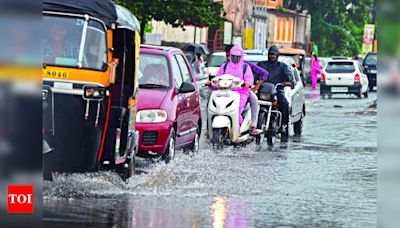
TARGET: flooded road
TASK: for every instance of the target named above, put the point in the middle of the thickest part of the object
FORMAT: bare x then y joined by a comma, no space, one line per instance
325,179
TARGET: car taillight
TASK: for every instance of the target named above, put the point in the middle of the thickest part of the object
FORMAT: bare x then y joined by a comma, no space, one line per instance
357,78
323,77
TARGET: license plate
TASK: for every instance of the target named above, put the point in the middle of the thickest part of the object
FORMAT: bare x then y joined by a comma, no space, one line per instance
55,74
374,71
339,89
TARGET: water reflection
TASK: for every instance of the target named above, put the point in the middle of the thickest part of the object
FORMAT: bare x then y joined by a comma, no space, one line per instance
237,214
219,212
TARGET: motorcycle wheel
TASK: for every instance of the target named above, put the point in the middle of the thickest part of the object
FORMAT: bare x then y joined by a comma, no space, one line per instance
270,140
261,125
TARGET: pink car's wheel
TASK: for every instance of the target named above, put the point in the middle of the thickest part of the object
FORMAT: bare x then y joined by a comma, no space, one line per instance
169,154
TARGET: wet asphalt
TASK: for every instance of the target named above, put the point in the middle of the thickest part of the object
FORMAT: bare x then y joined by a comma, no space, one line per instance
326,178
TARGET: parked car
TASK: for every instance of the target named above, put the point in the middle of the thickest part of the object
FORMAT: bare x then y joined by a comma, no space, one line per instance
344,76
295,97
169,115
214,63
370,68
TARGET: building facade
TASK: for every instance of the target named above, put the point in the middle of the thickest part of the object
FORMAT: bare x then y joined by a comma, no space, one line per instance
286,28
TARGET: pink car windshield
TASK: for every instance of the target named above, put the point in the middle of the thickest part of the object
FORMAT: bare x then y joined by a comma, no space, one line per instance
153,71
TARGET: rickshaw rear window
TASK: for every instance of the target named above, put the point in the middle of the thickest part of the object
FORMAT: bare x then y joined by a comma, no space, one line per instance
74,42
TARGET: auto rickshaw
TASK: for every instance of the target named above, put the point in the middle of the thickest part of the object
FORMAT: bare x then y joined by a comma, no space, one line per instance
299,57
90,86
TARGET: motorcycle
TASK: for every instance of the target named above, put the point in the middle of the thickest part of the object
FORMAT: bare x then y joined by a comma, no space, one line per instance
223,113
269,117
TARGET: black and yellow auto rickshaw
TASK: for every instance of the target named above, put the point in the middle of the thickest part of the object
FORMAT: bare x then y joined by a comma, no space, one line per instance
90,86
299,56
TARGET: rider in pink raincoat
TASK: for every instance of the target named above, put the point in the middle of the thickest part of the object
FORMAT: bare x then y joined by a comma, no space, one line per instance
235,68
315,70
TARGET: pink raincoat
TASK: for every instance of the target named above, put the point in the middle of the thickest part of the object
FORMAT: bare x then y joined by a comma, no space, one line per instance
236,69
315,70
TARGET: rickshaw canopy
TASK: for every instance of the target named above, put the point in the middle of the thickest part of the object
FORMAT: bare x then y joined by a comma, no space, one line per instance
292,51
126,19
104,10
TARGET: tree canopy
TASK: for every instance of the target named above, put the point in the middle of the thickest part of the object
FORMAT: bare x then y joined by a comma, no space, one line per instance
176,12
337,26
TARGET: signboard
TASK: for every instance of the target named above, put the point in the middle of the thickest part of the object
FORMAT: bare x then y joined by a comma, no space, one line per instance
368,38
248,38
228,32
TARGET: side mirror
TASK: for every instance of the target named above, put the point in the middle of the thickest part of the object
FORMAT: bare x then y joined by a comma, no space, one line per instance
187,87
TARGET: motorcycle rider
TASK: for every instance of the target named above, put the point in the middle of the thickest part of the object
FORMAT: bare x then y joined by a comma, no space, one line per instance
260,75
237,68
279,73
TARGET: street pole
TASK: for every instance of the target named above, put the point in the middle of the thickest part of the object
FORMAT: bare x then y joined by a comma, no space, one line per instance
195,34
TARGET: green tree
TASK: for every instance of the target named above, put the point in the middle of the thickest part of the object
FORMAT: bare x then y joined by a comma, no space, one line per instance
336,27
176,12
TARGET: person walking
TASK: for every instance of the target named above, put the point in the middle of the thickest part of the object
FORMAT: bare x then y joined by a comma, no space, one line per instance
315,70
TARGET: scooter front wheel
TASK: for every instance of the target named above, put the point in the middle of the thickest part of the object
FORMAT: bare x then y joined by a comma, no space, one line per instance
218,138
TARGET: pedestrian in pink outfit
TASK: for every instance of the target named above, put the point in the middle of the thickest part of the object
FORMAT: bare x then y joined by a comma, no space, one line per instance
236,68
315,70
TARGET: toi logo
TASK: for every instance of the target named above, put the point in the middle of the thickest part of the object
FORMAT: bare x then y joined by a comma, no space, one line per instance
20,199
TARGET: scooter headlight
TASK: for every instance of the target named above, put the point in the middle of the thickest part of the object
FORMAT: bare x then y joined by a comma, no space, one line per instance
265,96
225,83
151,116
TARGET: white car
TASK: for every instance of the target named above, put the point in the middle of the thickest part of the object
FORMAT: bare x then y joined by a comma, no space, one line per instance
214,63
255,58
295,97
343,77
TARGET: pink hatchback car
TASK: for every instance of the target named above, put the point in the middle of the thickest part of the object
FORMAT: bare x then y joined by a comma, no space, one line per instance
169,115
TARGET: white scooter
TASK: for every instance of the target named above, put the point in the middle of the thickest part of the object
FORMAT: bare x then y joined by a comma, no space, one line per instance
223,112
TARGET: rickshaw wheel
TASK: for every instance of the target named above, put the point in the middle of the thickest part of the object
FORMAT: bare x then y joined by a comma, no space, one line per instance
126,172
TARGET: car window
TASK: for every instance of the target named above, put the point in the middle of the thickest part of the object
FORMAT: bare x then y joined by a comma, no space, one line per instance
371,60
296,75
217,60
177,73
184,69
340,67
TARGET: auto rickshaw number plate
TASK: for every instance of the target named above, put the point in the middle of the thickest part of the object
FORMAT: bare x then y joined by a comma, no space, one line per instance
56,74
